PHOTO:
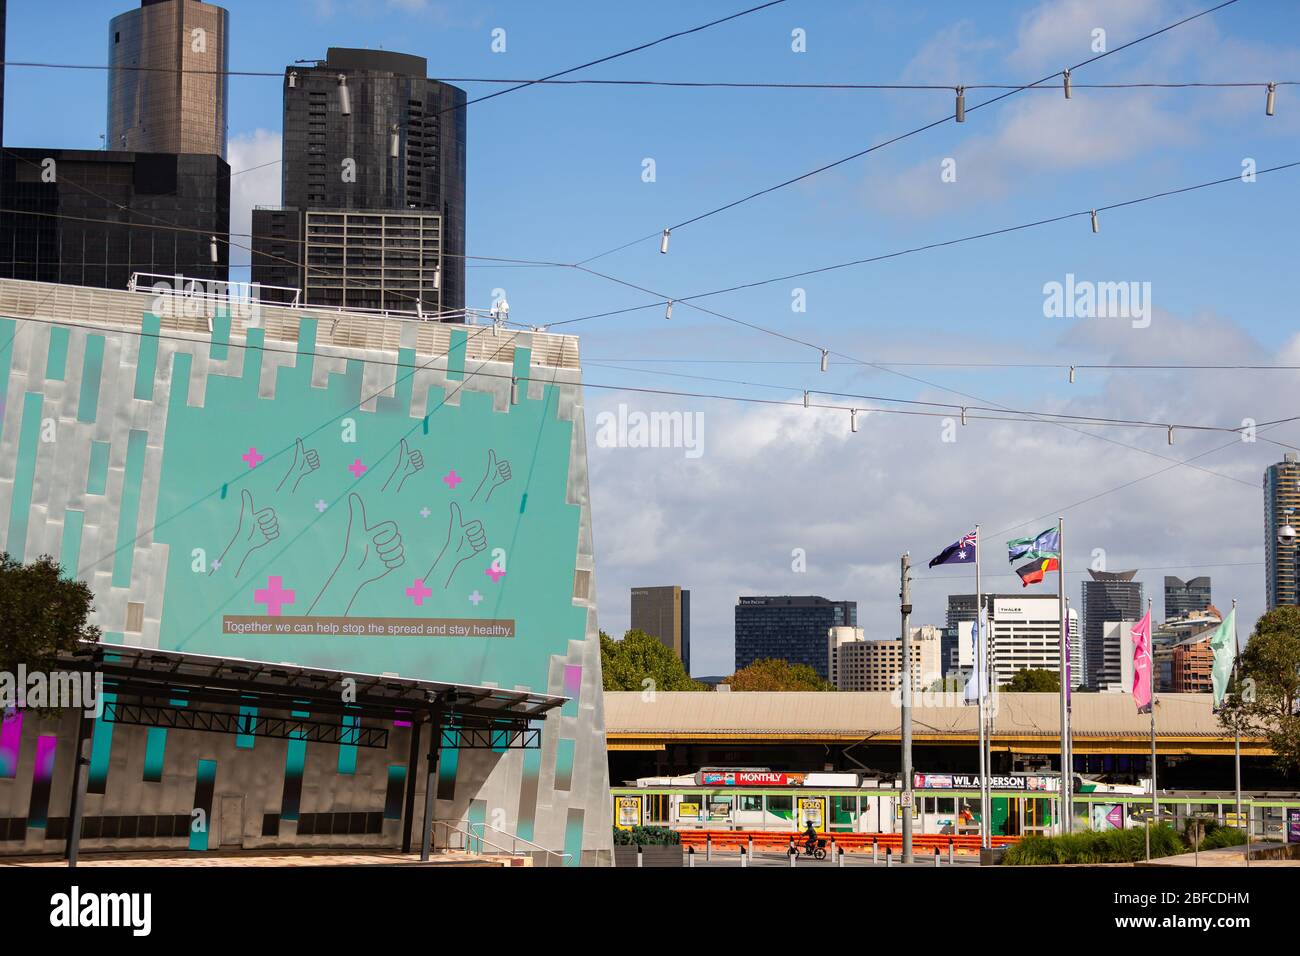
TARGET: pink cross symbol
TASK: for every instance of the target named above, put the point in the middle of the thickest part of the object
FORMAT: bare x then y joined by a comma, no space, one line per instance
417,592
253,458
273,596
452,479
495,573
357,468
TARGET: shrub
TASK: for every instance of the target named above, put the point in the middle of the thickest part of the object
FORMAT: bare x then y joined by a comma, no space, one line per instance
647,836
1217,836
1088,846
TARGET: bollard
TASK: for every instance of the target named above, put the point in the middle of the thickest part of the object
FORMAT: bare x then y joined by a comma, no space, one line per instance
840,858
875,851
889,856
950,860
751,840
744,858
794,854
708,847
690,856
638,855
936,856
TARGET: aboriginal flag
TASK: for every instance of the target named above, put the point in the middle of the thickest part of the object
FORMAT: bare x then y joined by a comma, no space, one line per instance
1032,573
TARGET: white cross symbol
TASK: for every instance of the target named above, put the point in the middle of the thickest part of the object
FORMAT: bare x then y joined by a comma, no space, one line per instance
321,505
425,512
475,598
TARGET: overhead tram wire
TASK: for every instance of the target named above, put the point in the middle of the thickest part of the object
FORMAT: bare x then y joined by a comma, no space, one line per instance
977,365
740,287
910,133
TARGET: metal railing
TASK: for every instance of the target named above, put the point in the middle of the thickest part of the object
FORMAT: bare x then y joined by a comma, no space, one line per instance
533,847
467,842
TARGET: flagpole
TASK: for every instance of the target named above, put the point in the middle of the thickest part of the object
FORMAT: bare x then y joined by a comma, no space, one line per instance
1236,723
1067,784
1155,800
985,729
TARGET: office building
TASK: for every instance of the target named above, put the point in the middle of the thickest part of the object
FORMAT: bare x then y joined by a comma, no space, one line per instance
665,614
858,664
105,215
167,78
1281,510
789,628
1191,628
1108,596
1193,666
1183,597
1025,634
1116,672
368,136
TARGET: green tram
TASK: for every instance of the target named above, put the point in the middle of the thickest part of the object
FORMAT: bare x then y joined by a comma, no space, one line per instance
759,799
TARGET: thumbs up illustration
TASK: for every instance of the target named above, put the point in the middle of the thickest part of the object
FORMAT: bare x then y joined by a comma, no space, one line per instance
464,540
408,463
370,551
305,461
257,528
497,474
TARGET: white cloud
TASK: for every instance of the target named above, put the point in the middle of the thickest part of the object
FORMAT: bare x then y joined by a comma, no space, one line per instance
257,152
772,479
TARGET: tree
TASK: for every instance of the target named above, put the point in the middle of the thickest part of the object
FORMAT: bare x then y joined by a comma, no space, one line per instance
774,674
41,614
1265,697
637,658
1033,680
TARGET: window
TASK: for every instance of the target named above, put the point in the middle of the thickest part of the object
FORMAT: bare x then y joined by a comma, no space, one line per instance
748,802
782,807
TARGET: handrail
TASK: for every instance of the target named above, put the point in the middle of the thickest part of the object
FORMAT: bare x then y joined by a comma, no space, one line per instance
472,836
518,839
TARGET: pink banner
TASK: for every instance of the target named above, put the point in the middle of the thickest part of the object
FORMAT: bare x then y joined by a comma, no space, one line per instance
1142,663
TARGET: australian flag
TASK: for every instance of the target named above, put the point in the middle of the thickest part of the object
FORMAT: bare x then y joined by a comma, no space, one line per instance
959,552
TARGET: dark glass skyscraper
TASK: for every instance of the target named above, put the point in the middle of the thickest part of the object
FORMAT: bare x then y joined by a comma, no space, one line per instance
789,628
1184,596
1109,596
1281,510
105,215
367,133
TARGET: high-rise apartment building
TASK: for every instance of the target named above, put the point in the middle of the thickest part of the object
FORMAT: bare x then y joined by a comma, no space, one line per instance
1109,596
1281,510
665,614
1183,597
167,78
789,628
858,664
372,211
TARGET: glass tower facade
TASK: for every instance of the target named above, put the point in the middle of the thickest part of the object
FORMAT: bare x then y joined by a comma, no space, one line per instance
789,628
1183,597
398,147
167,83
1281,508
1110,596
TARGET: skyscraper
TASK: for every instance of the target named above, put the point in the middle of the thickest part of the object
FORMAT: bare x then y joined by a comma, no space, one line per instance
167,80
1281,510
789,628
373,187
1025,634
665,614
1111,596
1183,597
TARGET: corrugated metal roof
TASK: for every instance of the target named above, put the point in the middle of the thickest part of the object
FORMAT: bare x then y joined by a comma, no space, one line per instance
865,714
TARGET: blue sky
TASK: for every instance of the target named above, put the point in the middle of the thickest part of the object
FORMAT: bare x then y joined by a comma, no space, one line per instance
555,173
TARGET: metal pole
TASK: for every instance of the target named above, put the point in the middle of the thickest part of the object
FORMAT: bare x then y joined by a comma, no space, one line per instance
1237,721
431,783
412,778
981,674
1067,800
85,733
905,606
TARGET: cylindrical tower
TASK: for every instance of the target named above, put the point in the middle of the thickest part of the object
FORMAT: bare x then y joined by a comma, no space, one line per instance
167,79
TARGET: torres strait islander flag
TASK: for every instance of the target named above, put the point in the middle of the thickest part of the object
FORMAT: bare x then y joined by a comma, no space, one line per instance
1046,544
1142,664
